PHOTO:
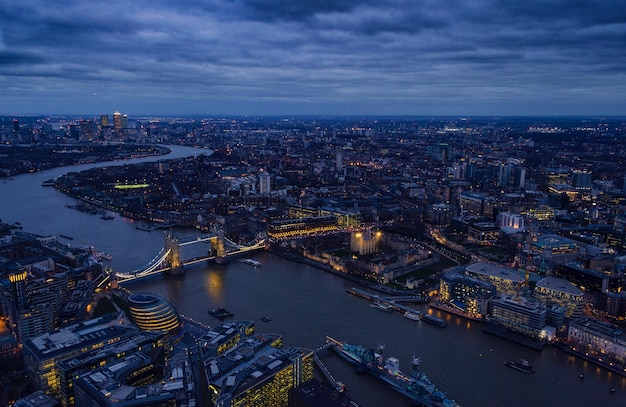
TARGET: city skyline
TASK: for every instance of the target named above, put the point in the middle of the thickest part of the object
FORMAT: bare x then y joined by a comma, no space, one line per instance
314,58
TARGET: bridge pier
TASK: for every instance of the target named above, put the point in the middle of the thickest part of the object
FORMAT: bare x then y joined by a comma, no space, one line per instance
176,268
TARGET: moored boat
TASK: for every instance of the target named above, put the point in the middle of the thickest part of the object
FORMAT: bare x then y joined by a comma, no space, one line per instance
522,365
49,182
221,313
382,306
416,386
412,315
104,256
434,320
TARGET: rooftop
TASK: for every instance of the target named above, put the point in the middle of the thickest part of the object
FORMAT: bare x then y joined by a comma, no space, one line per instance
493,270
558,284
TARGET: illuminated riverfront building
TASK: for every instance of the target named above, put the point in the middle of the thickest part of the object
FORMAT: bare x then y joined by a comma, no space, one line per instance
520,315
468,295
505,280
365,241
43,352
554,290
257,374
153,313
600,339
299,227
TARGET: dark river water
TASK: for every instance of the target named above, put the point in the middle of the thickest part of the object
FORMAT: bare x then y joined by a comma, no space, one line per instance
306,304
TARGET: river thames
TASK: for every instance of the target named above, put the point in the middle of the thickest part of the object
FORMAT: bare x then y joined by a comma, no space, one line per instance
306,304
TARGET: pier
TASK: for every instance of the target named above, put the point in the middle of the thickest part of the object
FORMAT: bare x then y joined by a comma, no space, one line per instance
329,377
393,304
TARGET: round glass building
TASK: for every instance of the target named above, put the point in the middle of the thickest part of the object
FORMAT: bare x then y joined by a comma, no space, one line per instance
153,313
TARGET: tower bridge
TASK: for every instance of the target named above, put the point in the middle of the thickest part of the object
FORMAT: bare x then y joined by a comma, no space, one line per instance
168,259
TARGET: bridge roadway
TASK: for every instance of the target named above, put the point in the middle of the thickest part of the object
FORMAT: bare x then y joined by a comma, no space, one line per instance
158,264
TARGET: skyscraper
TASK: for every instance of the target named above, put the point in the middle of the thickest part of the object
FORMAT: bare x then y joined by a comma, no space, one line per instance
264,183
18,288
339,159
117,121
104,120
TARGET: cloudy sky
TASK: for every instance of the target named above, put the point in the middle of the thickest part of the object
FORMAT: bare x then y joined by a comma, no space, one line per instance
284,57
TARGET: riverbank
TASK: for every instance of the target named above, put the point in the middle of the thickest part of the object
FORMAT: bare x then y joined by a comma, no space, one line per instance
303,260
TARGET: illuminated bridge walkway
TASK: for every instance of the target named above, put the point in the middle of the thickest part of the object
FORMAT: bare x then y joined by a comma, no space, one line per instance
168,260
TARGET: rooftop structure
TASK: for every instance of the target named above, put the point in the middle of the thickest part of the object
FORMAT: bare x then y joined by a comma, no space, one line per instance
224,336
42,352
76,365
555,245
256,372
110,385
37,399
505,280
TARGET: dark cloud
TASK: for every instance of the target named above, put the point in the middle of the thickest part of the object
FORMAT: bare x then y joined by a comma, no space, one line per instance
317,55
10,58
288,10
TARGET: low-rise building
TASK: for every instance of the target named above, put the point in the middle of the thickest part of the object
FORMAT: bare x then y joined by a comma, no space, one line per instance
600,339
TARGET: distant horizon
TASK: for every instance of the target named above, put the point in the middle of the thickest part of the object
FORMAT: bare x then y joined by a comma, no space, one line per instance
314,58
305,115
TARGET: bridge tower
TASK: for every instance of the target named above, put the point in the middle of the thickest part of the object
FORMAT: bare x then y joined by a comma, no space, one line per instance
217,247
217,243
173,258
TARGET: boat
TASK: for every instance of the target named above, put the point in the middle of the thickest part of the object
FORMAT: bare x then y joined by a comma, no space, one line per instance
434,320
416,386
266,319
412,315
49,182
221,313
251,262
67,237
382,306
107,217
146,228
104,255
522,365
